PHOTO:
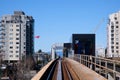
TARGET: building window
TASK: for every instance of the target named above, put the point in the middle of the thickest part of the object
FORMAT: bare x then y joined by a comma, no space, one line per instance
11,47
112,51
116,26
11,51
116,31
112,27
17,29
24,51
112,30
11,29
117,39
117,51
17,34
112,42
115,18
112,47
117,43
11,55
11,25
11,42
112,35
17,51
116,22
24,43
17,55
17,42
116,34
7,21
117,47
17,25
112,23
112,38
11,38
11,33
17,38
17,47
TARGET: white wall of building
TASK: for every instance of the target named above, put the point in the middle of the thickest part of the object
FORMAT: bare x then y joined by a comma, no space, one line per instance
15,35
113,35
100,52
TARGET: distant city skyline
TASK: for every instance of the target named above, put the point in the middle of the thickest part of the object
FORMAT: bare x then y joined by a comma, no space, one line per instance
56,21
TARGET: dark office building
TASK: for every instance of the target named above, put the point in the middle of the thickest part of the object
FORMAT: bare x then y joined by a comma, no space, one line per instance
83,44
67,47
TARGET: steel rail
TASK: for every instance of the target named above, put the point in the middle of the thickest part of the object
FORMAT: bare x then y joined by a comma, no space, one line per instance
48,78
68,73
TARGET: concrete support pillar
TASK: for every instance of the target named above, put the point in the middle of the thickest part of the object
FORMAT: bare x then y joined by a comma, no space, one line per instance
100,67
91,62
95,63
80,58
114,68
53,53
106,73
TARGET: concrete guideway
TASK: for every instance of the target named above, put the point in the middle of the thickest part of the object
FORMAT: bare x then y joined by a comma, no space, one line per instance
82,71
42,71
66,73
66,69
59,73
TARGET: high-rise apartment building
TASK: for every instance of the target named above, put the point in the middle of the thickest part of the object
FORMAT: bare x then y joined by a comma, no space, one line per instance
113,35
16,36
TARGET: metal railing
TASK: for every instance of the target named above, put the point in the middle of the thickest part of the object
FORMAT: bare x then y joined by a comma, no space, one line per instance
102,66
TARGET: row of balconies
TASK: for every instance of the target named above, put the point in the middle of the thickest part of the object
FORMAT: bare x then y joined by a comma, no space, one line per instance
2,25
2,33
2,43
11,21
2,29
2,37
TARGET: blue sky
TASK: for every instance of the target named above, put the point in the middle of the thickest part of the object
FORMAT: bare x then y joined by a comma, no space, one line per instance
57,20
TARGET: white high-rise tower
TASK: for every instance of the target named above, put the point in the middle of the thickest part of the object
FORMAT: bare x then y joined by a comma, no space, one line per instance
113,35
16,36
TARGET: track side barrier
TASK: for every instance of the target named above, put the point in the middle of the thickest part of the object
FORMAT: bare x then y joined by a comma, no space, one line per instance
42,71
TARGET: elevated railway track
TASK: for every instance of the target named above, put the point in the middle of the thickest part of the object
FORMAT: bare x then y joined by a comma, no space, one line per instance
66,69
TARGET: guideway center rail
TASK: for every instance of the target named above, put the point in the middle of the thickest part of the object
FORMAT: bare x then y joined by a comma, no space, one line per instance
67,69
